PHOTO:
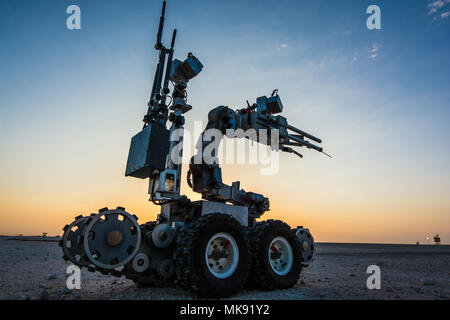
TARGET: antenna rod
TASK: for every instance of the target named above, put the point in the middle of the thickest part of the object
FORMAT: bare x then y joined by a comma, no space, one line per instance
158,45
156,89
168,67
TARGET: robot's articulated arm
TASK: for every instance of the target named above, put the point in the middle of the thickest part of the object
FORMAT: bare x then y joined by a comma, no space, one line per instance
257,123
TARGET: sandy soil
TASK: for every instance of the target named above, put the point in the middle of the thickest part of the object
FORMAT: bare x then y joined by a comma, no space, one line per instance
35,270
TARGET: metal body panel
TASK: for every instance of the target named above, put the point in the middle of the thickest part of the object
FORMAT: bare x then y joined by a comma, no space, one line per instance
240,213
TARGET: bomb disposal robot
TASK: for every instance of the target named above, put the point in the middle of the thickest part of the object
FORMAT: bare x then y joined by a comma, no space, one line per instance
214,246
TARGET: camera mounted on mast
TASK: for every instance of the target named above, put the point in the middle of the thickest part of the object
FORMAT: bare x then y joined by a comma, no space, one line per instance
176,71
149,149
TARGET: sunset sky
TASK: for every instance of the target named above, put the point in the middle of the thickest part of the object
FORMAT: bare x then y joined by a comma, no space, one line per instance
70,100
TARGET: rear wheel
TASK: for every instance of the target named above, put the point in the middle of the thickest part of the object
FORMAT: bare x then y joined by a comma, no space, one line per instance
276,256
212,256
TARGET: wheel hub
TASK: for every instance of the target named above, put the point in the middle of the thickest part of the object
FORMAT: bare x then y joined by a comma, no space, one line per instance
305,246
280,256
140,262
114,238
216,255
222,255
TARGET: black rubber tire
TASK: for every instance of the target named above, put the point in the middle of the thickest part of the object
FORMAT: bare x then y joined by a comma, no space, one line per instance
260,238
192,271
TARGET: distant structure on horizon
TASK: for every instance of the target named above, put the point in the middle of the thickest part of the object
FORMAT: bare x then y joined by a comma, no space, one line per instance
437,239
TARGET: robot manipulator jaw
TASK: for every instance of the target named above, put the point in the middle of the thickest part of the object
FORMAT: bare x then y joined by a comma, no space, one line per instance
289,136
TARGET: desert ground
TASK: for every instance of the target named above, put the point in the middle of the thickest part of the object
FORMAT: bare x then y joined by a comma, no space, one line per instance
35,270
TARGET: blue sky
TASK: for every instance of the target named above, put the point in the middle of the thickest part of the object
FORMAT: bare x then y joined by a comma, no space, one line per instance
379,99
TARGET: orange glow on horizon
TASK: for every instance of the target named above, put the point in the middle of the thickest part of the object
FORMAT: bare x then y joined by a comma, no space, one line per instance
329,221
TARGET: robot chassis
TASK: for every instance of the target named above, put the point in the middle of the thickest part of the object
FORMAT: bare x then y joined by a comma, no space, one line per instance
213,247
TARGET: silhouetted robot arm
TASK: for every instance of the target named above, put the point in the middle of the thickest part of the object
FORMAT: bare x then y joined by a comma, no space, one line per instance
257,123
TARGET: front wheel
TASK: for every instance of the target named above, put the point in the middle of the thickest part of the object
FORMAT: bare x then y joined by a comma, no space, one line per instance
276,256
212,256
